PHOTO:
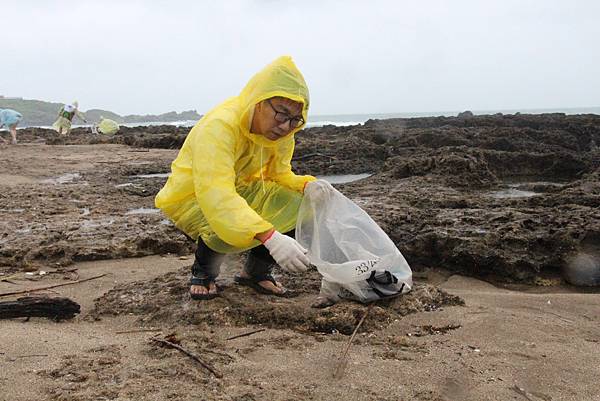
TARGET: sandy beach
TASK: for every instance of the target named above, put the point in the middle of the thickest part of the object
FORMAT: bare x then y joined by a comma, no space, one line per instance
493,213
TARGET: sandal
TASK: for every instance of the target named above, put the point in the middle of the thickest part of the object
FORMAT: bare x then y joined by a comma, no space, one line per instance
204,282
253,281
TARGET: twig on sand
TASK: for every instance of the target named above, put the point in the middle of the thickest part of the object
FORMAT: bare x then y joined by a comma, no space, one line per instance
195,357
564,319
339,369
27,356
521,391
31,356
245,334
137,331
225,354
9,278
5,294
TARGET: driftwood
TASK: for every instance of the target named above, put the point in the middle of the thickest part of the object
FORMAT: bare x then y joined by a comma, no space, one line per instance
5,294
53,308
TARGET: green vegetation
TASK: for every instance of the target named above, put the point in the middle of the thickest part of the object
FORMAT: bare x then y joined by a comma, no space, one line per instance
38,112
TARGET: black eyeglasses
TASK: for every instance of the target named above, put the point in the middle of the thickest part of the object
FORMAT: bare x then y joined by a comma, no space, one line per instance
282,117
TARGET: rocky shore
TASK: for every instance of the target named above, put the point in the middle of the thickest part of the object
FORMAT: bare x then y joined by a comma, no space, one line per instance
509,198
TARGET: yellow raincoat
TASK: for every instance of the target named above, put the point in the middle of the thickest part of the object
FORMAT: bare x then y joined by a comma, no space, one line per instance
228,184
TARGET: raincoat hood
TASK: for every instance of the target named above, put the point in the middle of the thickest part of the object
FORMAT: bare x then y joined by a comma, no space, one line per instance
280,78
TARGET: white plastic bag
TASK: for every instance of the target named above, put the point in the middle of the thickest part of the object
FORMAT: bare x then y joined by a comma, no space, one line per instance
353,254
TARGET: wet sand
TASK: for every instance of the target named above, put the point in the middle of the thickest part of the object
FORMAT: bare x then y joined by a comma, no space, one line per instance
502,344
512,201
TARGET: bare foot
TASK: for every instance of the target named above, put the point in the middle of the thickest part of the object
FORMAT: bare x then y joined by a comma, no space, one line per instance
202,290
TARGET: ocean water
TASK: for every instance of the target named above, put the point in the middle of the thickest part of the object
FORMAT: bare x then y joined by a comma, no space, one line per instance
355,119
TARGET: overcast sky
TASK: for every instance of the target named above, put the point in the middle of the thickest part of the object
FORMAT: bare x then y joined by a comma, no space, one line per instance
357,56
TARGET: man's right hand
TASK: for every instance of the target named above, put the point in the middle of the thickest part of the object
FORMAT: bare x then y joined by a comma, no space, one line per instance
319,190
287,252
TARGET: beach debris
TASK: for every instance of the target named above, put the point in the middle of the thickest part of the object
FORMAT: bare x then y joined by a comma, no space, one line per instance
473,348
137,331
9,278
5,294
428,330
52,308
530,396
63,179
26,356
195,357
245,334
343,361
